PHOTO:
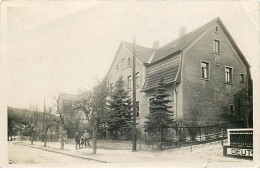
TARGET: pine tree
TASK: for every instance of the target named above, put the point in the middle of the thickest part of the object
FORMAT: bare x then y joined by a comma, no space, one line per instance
160,117
119,107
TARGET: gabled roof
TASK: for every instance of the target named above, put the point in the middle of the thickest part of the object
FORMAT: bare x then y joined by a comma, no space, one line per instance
142,52
178,44
151,56
172,49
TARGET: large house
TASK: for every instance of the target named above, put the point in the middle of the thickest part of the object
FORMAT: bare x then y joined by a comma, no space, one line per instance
202,69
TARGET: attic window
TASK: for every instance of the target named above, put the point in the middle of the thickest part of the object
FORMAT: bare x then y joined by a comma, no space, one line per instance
216,30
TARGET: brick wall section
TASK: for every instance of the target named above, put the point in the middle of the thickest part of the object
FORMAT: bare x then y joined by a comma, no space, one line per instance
214,93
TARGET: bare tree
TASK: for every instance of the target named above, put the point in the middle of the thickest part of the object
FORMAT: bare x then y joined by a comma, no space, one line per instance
60,121
244,102
49,120
33,114
92,103
192,121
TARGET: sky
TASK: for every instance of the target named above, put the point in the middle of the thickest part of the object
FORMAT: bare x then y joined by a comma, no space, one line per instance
68,46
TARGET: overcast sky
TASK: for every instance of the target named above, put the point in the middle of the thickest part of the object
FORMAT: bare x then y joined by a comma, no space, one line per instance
66,46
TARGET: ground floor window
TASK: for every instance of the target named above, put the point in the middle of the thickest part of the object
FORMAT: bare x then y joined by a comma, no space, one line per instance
231,108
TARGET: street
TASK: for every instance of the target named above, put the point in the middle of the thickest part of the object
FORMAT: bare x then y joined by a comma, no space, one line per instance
19,154
206,155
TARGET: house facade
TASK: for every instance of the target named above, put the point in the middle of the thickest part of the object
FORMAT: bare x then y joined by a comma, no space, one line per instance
202,70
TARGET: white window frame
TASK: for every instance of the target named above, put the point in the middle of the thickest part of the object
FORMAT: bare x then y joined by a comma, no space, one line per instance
232,75
129,81
214,48
203,61
137,79
149,98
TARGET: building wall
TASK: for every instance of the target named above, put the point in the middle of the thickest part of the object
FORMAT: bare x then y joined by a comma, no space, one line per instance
115,73
211,95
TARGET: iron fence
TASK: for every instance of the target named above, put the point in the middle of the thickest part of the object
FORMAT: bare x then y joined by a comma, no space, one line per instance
179,136
241,137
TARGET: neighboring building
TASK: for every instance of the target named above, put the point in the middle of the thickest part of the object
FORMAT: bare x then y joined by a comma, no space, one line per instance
202,69
65,102
75,120
19,119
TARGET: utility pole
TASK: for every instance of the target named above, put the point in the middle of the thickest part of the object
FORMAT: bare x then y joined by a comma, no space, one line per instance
44,129
43,120
134,101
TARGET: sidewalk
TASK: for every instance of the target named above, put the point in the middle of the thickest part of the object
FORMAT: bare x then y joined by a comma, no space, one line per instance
206,155
102,155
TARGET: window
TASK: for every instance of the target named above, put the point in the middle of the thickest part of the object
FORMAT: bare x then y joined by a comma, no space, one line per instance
137,108
111,85
228,75
216,46
205,70
129,62
150,103
137,79
216,30
129,82
241,78
122,63
231,108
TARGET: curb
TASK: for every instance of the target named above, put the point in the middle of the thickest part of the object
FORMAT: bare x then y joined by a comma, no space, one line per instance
71,155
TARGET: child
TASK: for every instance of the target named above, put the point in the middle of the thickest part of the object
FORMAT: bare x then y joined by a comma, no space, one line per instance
86,138
82,140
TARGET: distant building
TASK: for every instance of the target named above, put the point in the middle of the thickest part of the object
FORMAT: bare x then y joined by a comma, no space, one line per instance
203,68
75,120
66,104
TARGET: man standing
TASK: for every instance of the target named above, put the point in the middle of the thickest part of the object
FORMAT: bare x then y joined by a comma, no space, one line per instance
77,140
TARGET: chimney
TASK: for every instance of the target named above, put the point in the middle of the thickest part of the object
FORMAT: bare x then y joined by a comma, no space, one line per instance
182,31
156,45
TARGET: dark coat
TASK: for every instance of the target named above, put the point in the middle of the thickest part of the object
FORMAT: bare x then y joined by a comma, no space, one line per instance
77,139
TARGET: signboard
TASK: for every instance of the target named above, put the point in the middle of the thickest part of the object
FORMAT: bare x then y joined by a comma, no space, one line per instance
239,152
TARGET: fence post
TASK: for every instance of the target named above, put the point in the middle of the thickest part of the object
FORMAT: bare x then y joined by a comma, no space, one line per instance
200,134
222,133
191,145
145,137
